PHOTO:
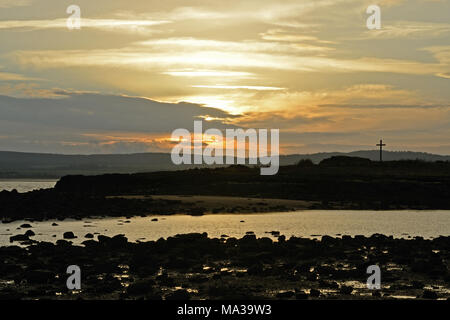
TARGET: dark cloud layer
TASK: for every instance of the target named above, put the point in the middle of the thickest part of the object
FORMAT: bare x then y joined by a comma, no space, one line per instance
90,111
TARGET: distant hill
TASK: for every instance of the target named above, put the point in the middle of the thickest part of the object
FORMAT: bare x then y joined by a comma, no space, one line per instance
373,155
44,165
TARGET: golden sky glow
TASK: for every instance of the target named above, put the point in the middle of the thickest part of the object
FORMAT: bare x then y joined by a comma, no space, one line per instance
308,67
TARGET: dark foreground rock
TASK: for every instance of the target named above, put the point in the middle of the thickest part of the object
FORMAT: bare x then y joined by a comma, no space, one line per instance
69,235
193,266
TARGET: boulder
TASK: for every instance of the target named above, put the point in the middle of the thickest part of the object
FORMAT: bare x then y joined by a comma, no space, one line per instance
19,237
301,295
141,287
346,290
39,276
428,294
180,294
314,293
29,233
69,235
285,294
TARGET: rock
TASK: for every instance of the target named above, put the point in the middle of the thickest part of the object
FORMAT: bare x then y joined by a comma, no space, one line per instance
328,284
63,243
266,241
180,294
90,243
69,235
256,269
196,212
118,241
141,287
248,238
155,219
314,293
109,284
301,295
327,240
39,276
10,294
89,236
165,280
198,279
26,225
421,266
346,290
216,276
54,224
103,239
376,294
285,294
428,294
19,237
346,238
312,276
29,233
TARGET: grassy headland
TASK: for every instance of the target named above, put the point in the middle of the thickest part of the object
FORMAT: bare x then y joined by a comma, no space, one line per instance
335,183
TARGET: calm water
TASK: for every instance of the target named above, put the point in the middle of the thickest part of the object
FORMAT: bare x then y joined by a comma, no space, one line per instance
26,185
312,224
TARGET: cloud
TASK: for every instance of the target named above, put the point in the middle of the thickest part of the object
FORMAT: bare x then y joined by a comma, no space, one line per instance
285,36
386,106
192,73
14,3
292,64
101,24
257,88
92,122
7,76
410,30
91,111
217,54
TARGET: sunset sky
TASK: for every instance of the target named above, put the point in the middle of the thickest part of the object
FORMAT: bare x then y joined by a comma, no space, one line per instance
137,70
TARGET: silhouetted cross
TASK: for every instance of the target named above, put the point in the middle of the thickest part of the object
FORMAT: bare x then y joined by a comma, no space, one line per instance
381,145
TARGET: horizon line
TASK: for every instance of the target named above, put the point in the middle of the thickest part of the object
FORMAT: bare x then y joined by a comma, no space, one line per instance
168,153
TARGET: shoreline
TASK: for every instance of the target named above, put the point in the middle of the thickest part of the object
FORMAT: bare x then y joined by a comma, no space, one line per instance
309,224
48,204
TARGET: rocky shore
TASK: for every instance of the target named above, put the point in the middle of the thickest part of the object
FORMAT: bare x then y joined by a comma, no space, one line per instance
194,266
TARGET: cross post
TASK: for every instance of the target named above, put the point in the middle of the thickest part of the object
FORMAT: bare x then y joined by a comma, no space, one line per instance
381,145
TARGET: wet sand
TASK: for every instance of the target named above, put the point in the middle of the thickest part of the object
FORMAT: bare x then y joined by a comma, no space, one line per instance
222,204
